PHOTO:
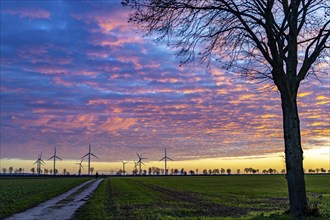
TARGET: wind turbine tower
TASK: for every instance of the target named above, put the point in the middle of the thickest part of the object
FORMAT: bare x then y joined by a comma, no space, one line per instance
124,166
89,154
39,162
80,166
165,158
140,162
54,157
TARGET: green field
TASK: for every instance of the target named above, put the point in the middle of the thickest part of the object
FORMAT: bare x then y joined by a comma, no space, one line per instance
20,193
204,197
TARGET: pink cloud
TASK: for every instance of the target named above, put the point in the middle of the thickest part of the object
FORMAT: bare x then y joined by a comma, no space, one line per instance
51,70
86,122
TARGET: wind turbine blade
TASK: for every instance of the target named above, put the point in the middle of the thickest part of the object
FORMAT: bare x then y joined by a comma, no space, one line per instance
162,159
51,157
170,159
138,155
94,155
84,156
142,163
58,158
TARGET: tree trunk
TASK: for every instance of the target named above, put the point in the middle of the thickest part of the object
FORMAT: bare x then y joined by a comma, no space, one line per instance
293,155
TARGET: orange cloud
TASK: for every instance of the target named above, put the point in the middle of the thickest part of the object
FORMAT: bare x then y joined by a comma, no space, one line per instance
303,94
115,124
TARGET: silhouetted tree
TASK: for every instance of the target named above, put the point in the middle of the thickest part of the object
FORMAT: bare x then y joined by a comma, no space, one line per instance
311,171
238,171
205,172
4,170
280,41
317,170
92,170
120,172
191,172
10,169
283,171
33,170
51,171
323,170
222,171
228,171
182,171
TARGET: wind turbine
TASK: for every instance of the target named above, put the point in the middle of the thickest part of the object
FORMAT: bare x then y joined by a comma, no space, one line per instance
39,162
54,157
140,162
165,159
80,166
89,158
124,166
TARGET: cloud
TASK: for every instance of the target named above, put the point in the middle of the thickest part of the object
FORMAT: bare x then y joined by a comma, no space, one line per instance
83,74
35,13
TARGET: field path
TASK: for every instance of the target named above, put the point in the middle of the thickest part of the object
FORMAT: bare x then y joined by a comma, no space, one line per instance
63,206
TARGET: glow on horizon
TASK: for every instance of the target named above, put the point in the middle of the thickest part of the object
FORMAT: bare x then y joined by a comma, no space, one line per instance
315,158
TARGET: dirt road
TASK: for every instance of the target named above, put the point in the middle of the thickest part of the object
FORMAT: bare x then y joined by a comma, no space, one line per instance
61,207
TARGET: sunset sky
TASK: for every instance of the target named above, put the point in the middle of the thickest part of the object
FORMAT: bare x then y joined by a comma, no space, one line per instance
75,72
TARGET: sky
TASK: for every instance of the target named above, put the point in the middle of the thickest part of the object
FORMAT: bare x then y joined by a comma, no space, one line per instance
76,72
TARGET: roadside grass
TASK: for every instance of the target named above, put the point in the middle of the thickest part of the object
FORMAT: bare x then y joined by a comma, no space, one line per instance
20,193
200,197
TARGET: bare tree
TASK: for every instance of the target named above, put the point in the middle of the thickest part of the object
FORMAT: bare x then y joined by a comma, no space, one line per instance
279,41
